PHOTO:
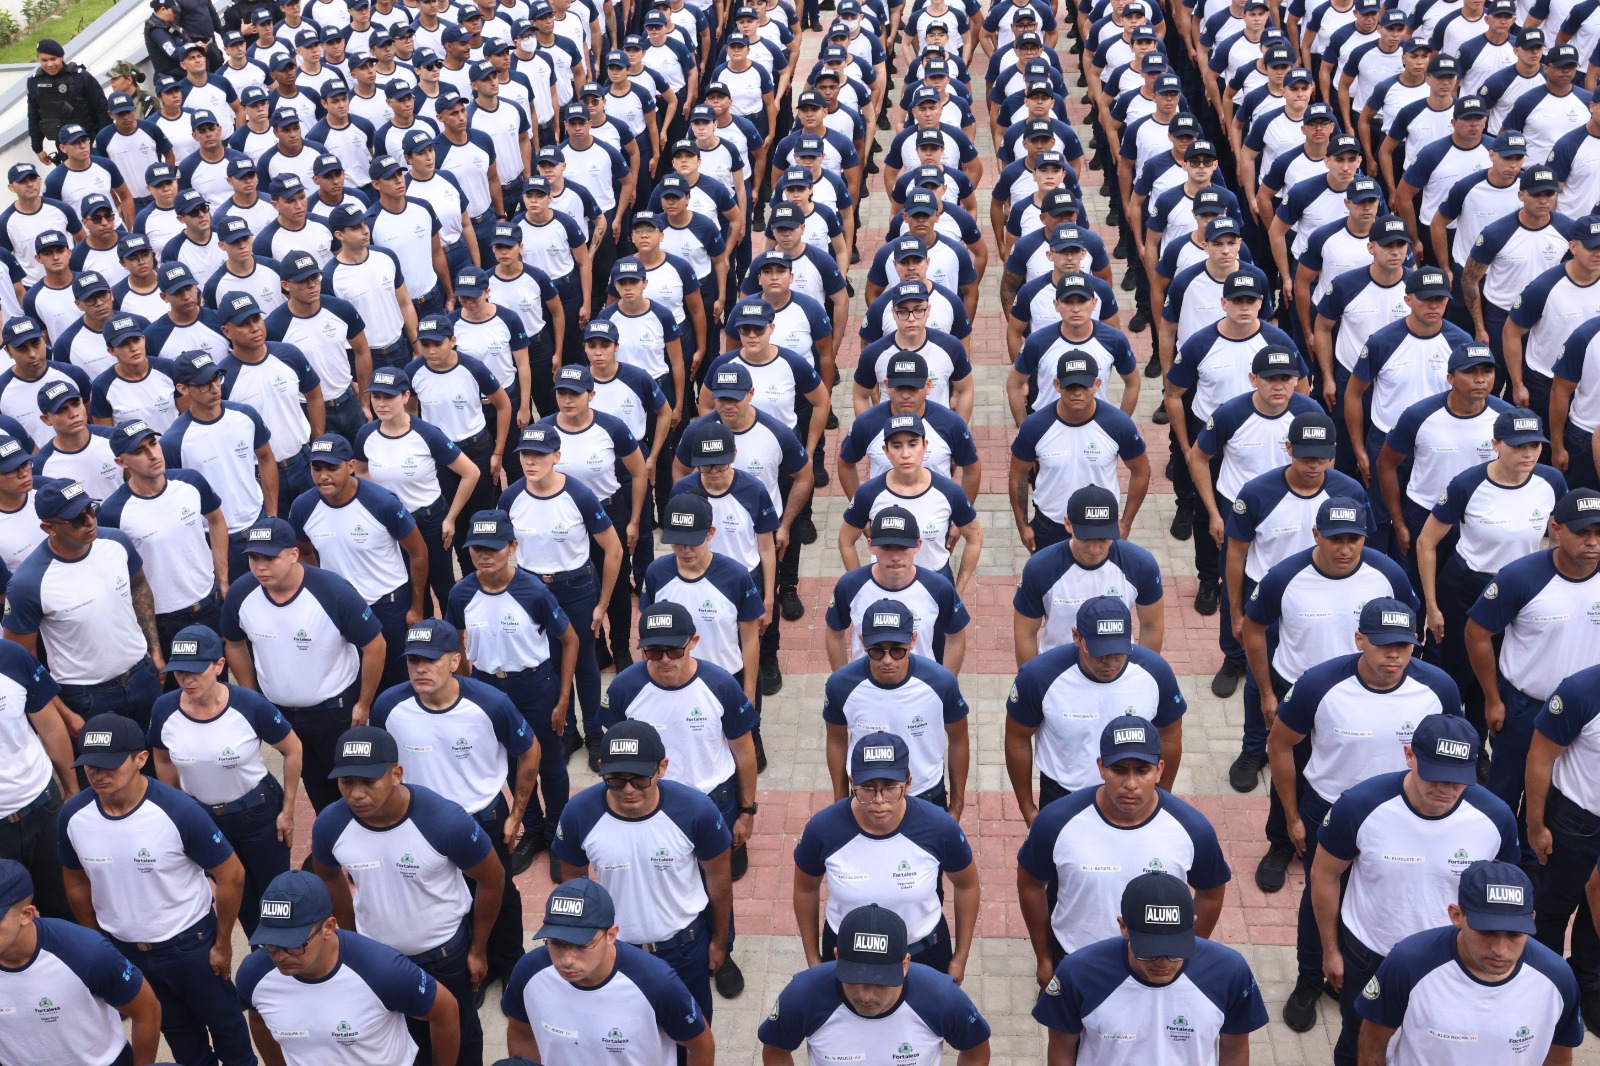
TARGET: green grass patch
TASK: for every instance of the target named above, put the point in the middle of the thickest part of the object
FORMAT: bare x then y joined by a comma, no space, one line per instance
64,26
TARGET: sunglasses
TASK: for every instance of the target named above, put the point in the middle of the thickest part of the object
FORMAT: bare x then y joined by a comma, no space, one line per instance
895,652
656,654
868,793
84,517
619,782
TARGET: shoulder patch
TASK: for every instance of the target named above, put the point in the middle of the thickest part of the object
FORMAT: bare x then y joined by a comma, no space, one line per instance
1492,591
1054,987
1555,705
1479,243
1013,697
1514,303
1240,507
1372,990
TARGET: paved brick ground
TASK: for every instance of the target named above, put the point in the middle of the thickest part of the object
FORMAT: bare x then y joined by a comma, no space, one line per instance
1000,975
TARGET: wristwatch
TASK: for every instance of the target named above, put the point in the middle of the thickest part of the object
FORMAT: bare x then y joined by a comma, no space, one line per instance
752,809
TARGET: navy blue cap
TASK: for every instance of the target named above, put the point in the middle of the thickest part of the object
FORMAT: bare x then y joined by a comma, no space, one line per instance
1274,360
541,440
331,449
908,292
132,244
52,238
574,378
13,455
601,329
432,638
21,329
1510,144
471,281
1339,515
1389,229
435,328
233,228
1386,620
55,395
887,621
119,103
1105,625
345,216
665,624
287,187
871,947
1519,426
904,423
1446,749
1578,509
1540,179
389,381
1092,510
731,381
95,201
632,746
1469,355
628,267
1074,286
386,166
89,283
906,369
713,446
506,234
194,650
237,307
773,257
1496,897
1312,436
127,436
269,537
188,202
108,740
242,167
327,163
1066,237
1428,284
1077,367
364,751
59,498
577,910
1242,284
909,246
880,757
894,527
756,312
1130,737
492,529
688,520
1159,913
195,368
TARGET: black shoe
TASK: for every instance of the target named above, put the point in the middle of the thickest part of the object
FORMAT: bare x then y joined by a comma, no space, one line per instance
1245,773
482,993
819,475
621,657
555,869
1121,250
805,529
837,377
1226,680
602,655
1159,417
1206,601
729,979
1300,1010
570,743
1182,527
1274,866
855,257
883,120
831,423
1128,283
531,844
593,743
1152,367
1589,1007
1083,82
872,166
1105,190
789,604
850,287
761,751
1483,767
771,676
1113,217
739,861
1140,321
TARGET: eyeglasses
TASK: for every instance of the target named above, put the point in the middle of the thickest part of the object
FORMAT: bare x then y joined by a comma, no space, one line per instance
619,782
894,651
293,953
656,654
84,517
1170,959
911,312
868,793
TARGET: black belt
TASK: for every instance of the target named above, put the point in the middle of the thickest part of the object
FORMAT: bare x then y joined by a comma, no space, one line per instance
120,679
258,796
45,799
681,937
334,703
187,934
922,945
503,674
563,575
442,952
283,464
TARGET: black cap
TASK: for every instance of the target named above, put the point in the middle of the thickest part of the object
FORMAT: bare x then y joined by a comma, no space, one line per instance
871,947
632,746
1159,913
665,624
894,527
108,740
688,520
365,751
1312,436
1578,509
1092,510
